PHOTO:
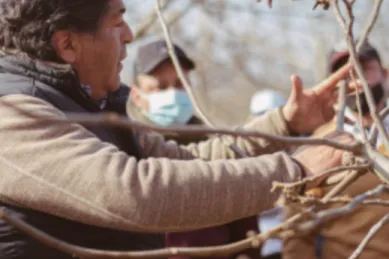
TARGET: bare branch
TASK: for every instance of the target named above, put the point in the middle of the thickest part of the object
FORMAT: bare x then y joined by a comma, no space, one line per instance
324,216
379,162
350,178
369,27
278,185
369,236
342,106
112,119
359,70
177,65
370,24
184,80
374,131
359,108
77,251
149,22
307,200
339,16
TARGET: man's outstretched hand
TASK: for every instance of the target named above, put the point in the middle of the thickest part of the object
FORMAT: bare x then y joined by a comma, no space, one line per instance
308,109
319,159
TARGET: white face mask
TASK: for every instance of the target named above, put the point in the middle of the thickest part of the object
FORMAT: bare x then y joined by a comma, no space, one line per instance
169,107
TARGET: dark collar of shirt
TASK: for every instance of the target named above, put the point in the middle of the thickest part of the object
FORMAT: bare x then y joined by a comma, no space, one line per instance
87,89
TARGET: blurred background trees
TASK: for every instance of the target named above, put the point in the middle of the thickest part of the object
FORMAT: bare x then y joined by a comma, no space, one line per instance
242,46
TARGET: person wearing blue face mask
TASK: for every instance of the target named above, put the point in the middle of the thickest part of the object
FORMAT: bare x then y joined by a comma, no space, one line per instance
157,95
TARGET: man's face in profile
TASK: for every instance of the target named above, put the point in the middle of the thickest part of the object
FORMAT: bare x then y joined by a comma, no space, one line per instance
97,56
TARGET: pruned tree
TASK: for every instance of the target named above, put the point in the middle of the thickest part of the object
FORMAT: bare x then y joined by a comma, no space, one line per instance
362,155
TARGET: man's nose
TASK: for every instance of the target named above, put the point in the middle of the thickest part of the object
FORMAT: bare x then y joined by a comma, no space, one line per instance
128,36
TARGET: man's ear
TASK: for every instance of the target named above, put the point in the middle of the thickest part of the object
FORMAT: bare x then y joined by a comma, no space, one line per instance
64,44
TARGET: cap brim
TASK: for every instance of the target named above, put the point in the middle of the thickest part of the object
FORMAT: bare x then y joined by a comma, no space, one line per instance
185,63
363,56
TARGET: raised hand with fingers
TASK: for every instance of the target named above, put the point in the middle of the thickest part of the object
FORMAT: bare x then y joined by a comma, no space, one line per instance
308,109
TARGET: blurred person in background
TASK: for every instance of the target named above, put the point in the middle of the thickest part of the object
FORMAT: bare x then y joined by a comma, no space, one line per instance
158,97
376,75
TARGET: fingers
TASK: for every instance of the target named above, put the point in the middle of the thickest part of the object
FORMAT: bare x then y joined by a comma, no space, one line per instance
297,87
330,83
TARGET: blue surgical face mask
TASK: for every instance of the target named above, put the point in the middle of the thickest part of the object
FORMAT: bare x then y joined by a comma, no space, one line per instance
169,107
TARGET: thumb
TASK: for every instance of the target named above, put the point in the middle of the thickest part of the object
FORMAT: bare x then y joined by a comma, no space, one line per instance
297,87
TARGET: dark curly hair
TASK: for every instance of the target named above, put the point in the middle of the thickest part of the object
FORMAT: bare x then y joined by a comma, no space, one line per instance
28,25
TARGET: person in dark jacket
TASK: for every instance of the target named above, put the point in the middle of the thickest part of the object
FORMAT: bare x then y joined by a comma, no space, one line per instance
103,187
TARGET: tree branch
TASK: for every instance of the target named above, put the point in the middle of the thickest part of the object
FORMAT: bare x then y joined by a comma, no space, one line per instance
374,131
359,70
184,80
370,24
112,119
342,106
77,251
278,185
324,216
372,232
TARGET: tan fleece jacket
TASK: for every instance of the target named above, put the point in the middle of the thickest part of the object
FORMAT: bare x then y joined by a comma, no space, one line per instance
65,170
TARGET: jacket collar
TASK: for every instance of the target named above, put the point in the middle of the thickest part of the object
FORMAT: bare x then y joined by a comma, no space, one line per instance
61,77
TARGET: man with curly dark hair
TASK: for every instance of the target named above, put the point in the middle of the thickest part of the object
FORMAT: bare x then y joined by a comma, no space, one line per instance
103,187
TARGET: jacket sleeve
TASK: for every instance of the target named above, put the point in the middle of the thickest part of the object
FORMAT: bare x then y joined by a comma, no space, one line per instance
215,148
65,170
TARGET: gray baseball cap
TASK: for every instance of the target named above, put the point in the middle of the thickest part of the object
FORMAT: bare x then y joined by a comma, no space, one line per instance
153,54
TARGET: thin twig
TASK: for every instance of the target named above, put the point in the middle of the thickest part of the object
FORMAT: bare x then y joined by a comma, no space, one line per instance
148,22
77,251
359,122
379,162
374,131
349,33
327,215
370,24
342,106
369,27
372,232
336,200
277,185
376,202
350,177
113,119
359,70
178,67
176,62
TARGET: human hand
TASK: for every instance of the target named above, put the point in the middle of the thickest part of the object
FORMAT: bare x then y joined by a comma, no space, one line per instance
318,159
308,109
